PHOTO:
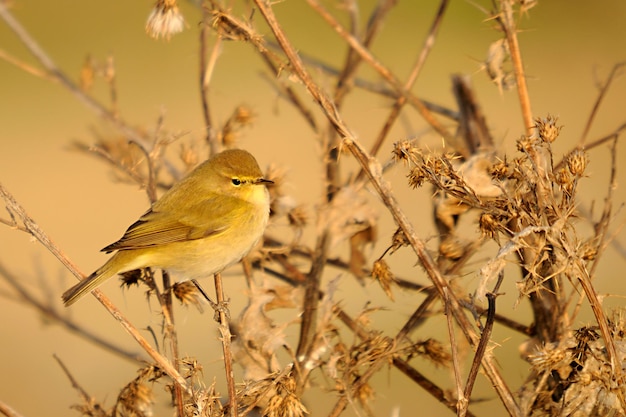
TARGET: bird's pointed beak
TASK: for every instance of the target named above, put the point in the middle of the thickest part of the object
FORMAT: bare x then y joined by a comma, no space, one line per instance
263,181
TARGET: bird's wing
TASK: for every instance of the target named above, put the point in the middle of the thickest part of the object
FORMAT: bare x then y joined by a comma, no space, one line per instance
209,217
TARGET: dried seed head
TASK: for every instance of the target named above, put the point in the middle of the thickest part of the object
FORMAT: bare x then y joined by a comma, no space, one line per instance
548,357
402,150
547,129
165,20
384,276
134,277
435,351
187,293
499,170
398,240
416,177
488,225
562,177
525,143
577,162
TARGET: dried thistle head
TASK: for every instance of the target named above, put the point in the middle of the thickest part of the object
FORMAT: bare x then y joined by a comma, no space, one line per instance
398,240
403,150
187,293
434,350
489,226
577,162
416,177
165,20
136,398
547,129
382,273
134,277
500,170
525,143
549,357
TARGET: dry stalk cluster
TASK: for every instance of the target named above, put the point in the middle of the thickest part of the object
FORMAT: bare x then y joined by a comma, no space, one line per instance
527,205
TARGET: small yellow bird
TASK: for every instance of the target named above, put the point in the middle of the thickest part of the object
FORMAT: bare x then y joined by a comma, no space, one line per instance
203,224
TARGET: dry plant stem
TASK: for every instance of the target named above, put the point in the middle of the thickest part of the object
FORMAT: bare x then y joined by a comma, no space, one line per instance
207,64
596,106
346,76
485,337
461,400
361,380
403,366
308,326
374,174
25,67
51,313
58,75
297,278
84,394
33,228
401,100
6,410
584,276
244,31
418,316
226,345
507,21
165,299
380,68
426,384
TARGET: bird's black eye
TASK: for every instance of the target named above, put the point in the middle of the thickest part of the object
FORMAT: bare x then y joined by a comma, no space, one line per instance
236,182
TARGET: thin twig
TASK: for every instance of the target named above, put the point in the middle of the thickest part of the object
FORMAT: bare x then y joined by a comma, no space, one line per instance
8,411
603,90
33,228
507,22
367,56
50,313
226,344
401,100
485,337
381,187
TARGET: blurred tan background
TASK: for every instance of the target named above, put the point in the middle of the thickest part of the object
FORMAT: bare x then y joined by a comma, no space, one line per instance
568,48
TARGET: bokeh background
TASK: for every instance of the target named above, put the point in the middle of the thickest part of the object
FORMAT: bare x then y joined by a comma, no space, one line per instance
568,47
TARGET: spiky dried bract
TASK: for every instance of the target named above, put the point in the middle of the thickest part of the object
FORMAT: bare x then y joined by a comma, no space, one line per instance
577,162
398,240
525,143
165,20
577,377
187,293
488,225
285,402
500,170
136,398
403,150
434,351
416,177
547,129
382,273
134,277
